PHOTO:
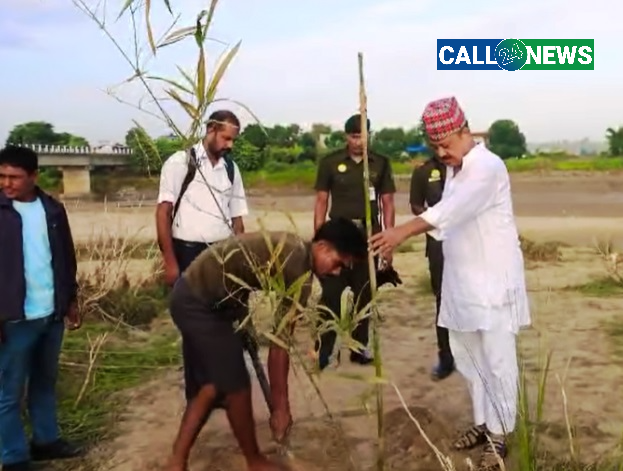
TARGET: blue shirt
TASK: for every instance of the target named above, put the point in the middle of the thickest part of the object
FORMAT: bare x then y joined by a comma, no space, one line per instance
38,270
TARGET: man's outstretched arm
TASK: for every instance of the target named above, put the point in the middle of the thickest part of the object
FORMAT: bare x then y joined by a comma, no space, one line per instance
279,367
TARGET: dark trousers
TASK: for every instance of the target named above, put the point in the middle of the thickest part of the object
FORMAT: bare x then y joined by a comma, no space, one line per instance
186,252
434,252
29,358
357,279
212,350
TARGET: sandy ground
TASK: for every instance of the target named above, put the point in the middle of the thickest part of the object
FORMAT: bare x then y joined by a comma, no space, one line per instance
578,211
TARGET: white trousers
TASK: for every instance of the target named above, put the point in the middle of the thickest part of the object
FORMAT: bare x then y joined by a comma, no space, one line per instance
488,361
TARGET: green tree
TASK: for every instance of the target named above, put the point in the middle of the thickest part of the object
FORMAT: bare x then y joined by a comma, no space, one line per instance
415,136
167,146
309,144
615,141
249,158
284,136
145,154
284,155
67,139
43,133
506,140
335,140
77,141
255,135
389,141
34,132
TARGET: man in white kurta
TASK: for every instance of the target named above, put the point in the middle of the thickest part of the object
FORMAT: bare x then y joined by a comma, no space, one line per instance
484,302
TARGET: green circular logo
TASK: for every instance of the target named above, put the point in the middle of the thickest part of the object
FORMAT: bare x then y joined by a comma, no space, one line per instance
511,54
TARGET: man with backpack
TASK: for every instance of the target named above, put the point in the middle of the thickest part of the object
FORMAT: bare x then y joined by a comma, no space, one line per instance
202,198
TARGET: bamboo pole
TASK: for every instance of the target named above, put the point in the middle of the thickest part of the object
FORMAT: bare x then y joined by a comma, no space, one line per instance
374,313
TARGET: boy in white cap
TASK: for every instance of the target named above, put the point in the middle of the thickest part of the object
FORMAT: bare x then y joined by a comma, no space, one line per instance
484,302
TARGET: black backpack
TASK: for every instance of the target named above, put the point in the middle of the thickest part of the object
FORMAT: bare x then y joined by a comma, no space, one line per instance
192,170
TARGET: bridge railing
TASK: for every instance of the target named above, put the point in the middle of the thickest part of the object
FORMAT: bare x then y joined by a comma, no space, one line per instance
78,150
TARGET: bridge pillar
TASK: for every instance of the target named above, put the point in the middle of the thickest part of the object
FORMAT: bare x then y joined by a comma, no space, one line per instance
76,181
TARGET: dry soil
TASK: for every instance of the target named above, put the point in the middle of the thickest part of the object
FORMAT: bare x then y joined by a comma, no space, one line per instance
578,210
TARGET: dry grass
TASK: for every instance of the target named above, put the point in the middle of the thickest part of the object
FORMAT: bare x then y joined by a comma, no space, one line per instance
115,249
541,252
120,343
106,291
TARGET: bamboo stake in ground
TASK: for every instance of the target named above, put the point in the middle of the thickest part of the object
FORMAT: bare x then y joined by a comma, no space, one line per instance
376,341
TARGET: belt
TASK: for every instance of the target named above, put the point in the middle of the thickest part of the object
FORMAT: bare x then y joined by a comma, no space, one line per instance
355,220
190,244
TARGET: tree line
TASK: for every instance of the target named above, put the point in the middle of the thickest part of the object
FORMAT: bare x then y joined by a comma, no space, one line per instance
259,147
276,147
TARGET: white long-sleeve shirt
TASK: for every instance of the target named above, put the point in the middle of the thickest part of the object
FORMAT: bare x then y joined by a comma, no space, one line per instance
483,286
200,215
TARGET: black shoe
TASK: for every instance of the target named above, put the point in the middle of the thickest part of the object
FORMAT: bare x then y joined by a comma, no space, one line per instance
361,358
58,450
442,371
21,466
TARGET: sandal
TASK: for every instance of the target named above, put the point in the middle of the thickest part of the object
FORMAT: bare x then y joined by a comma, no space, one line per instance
471,438
493,453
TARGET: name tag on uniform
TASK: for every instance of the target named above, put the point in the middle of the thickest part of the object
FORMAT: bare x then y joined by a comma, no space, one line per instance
372,192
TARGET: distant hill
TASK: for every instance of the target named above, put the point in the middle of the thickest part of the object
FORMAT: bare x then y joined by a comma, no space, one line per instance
580,147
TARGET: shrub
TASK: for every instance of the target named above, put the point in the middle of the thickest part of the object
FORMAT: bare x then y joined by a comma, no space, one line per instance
540,251
135,305
106,288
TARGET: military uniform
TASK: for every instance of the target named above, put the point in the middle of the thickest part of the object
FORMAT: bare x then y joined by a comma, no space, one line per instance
342,177
427,183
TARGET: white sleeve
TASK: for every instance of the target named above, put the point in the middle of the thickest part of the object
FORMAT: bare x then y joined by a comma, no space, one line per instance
436,234
171,177
466,200
238,203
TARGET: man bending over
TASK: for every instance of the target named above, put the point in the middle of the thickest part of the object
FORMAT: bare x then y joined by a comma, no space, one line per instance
211,295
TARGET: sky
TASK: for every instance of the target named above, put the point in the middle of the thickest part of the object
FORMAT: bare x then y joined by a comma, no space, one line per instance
298,63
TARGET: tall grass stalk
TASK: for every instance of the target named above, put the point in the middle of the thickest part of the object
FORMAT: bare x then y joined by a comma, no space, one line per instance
376,338
530,417
194,94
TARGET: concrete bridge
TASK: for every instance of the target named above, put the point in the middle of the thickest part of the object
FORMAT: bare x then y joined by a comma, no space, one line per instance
75,163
